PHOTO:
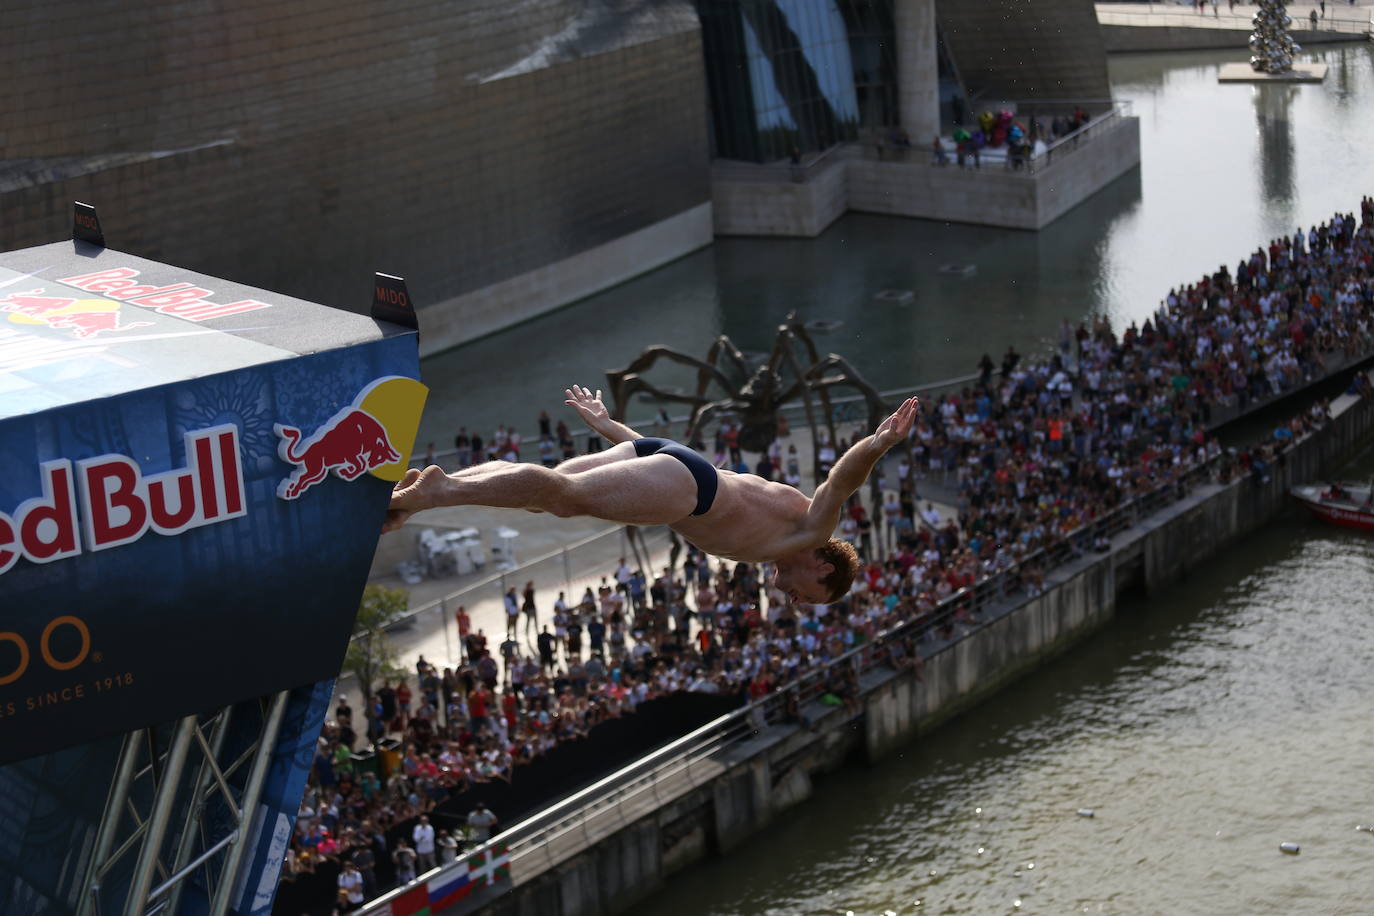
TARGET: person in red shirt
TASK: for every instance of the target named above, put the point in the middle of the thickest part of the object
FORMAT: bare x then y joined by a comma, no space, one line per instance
760,685
464,625
477,707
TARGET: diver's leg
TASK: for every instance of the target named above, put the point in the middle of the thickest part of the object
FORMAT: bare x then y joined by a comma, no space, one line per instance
653,490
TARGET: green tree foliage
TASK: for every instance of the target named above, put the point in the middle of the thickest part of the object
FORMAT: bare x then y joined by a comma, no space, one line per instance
371,656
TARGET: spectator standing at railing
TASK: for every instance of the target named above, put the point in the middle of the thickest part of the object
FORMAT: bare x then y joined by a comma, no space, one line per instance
510,651
404,858
548,648
527,607
464,623
423,837
480,821
448,847
511,602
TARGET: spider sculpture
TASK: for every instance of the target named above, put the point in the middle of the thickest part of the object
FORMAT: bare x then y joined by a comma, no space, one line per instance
752,393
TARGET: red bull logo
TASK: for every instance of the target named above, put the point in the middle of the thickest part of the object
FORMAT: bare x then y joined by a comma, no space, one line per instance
85,317
373,435
349,444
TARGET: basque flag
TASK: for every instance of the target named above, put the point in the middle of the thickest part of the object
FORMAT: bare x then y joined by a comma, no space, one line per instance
488,867
448,889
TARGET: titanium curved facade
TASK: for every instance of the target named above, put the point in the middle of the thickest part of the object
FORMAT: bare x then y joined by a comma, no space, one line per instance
302,146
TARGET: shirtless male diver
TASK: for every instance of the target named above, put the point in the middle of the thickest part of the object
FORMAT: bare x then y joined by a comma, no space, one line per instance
651,481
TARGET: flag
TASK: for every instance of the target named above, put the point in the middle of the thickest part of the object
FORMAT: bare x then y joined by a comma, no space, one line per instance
488,867
448,888
414,902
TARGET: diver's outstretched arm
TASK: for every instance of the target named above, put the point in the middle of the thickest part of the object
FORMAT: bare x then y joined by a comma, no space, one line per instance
595,415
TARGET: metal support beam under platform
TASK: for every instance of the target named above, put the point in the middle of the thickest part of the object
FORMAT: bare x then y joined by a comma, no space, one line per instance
156,814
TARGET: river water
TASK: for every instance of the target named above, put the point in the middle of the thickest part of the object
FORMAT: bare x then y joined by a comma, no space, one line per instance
1205,725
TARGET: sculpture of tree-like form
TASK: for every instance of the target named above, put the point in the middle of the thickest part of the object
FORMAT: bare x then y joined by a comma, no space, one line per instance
1272,49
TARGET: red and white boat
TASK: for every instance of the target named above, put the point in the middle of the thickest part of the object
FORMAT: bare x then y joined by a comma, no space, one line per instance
1345,504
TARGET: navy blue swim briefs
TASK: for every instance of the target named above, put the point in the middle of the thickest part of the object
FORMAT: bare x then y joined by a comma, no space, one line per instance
702,470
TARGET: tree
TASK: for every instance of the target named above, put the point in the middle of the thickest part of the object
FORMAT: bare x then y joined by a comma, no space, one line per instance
371,656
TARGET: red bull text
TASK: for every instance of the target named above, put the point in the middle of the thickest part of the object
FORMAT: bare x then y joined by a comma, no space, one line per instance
183,300
349,444
104,502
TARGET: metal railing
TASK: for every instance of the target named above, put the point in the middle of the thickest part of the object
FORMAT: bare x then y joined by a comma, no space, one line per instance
999,159
1222,17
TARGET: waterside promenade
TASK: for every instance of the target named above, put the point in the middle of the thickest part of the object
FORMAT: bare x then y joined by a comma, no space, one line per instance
1178,27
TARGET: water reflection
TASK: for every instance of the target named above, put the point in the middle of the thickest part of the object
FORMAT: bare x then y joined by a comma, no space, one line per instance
1273,104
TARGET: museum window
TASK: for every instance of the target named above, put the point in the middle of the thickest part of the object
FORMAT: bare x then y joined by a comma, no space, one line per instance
787,74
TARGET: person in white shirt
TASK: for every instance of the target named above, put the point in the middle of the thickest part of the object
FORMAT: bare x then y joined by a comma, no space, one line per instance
423,837
481,820
351,883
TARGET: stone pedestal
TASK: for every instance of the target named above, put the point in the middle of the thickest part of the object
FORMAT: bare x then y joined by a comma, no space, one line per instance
1301,73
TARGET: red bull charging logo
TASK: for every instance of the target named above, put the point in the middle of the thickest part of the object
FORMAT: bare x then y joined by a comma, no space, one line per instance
373,435
84,317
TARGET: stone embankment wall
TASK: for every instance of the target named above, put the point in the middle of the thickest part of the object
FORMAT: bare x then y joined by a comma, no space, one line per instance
773,771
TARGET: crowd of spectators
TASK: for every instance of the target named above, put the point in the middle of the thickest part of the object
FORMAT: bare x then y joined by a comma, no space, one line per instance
1033,451
1040,449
